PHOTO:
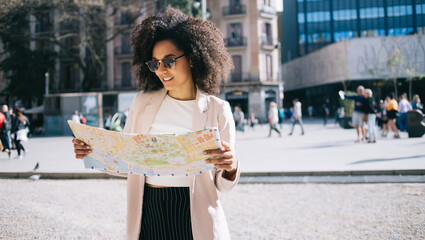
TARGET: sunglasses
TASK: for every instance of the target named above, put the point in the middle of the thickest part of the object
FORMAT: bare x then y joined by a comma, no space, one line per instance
168,63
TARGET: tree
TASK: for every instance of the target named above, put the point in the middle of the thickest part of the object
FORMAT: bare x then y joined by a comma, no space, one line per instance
79,29
395,65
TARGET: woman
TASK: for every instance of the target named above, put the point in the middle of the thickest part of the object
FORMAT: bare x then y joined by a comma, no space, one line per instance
19,131
273,118
370,109
178,63
416,103
392,109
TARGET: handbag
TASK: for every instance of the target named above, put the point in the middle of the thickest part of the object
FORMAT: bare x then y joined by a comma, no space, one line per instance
22,135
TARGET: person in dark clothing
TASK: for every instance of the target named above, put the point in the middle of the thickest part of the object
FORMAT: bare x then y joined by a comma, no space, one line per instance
358,112
5,130
19,129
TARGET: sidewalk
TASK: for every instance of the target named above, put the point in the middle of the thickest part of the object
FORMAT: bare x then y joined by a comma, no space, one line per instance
323,150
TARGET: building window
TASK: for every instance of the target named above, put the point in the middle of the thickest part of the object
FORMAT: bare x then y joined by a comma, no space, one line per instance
125,74
236,75
125,47
267,38
402,10
374,12
269,67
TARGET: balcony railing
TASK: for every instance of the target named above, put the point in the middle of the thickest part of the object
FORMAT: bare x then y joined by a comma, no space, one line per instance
243,77
267,41
123,50
235,42
252,77
268,10
234,9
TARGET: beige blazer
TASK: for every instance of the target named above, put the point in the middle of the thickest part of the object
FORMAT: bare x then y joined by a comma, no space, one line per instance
208,220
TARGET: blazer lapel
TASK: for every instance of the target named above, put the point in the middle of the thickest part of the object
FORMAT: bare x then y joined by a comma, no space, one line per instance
200,117
148,115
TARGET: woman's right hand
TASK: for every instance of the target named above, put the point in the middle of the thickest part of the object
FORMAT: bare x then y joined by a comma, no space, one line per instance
81,149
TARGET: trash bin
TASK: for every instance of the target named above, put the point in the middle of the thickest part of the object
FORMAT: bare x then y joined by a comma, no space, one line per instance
415,126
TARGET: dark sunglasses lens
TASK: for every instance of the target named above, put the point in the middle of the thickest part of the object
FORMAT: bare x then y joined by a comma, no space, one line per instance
168,63
152,65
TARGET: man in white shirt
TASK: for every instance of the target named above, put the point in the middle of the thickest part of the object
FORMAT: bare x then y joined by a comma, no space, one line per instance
297,117
76,117
403,107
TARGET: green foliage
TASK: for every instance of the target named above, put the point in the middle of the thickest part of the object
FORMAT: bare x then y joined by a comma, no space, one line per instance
186,6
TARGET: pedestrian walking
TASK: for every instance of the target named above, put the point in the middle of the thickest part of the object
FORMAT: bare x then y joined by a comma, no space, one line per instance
325,113
358,113
239,117
20,131
180,64
403,107
5,127
392,109
273,118
297,116
370,108
252,121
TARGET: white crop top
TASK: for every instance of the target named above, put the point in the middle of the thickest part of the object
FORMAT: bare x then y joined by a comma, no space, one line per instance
174,116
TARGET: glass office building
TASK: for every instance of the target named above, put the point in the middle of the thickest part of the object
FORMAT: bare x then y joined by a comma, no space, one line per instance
309,25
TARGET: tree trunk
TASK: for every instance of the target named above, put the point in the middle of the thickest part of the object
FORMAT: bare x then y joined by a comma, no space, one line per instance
410,89
395,88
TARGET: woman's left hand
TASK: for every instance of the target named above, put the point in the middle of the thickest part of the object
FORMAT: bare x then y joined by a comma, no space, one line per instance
223,158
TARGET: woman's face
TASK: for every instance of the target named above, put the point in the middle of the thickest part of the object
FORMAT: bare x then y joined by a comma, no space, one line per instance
177,81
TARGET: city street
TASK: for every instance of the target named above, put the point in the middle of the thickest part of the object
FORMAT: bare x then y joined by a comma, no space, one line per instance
322,149
95,209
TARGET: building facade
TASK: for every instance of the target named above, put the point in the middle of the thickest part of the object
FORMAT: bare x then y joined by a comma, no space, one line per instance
250,33
325,42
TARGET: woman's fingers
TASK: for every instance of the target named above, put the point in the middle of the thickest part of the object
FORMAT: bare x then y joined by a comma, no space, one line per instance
81,149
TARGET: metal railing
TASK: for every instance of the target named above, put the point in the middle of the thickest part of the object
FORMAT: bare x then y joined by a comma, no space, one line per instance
267,41
243,77
268,10
234,9
235,42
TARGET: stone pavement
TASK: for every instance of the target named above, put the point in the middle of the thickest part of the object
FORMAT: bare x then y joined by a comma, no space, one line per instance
323,150
96,209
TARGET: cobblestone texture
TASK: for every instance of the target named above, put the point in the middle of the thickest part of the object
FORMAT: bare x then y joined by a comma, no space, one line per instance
95,209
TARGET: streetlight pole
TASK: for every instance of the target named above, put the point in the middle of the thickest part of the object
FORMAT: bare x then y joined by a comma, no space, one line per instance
280,81
46,89
204,9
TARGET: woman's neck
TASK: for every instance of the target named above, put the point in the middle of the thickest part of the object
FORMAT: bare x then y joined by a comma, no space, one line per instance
186,95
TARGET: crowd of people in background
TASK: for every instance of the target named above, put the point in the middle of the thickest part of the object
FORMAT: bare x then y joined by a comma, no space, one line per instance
14,129
390,113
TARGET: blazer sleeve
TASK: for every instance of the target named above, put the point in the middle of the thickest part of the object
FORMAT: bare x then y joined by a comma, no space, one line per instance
226,126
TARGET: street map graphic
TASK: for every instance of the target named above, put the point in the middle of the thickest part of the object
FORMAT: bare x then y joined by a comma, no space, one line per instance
147,154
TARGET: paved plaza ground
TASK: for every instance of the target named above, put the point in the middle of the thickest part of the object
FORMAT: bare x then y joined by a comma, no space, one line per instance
322,148
95,209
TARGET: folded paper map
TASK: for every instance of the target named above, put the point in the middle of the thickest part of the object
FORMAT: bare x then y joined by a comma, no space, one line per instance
147,154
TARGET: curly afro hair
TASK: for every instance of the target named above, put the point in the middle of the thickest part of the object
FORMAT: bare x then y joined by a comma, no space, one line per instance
199,39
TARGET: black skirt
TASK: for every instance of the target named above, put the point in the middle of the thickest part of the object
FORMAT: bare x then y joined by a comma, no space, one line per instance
392,114
166,214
